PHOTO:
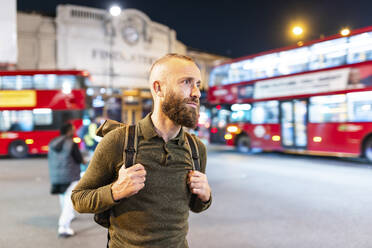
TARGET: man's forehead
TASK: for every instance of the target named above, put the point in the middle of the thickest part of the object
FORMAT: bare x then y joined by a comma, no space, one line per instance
174,69
182,67
177,63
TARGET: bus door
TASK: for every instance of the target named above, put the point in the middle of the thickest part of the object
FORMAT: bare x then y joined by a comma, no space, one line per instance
293,123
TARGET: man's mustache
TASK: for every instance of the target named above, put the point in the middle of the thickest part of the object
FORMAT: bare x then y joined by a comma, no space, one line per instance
192,100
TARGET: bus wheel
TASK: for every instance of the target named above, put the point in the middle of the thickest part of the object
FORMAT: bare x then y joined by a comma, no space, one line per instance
368,150
18,149
243,144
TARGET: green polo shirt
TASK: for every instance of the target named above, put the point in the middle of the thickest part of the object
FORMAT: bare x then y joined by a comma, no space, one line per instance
158,215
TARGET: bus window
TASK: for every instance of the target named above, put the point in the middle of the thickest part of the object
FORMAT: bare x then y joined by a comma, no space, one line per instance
240,116
234,73
328,53
360,48
293,61
45,82
219,76
265,66
328,109
4,125
16,120
220,119
360,106
54,82
17,82
265,112
67,83
43,117
247,72
84,82
240,113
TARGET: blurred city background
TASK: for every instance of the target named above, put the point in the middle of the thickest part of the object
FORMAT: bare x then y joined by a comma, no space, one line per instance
286,111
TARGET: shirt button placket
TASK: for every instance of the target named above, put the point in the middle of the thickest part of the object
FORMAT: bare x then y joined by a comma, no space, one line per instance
166,155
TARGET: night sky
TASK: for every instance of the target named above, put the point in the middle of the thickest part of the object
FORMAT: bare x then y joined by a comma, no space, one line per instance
235,28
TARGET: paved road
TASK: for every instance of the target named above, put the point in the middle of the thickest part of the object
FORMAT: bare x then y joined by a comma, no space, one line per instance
263,200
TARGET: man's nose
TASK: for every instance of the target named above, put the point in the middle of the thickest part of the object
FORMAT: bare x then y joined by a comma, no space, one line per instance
195,92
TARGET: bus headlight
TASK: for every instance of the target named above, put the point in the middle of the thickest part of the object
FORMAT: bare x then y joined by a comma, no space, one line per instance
77,140
317,139
232,129
228,136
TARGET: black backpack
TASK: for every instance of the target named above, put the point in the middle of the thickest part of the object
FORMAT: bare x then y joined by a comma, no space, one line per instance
129,155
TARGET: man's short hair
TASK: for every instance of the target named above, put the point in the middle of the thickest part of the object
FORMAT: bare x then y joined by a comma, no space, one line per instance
65,128
170,56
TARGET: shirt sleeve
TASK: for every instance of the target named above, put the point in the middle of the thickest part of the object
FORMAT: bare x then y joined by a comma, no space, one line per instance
93,192
199,205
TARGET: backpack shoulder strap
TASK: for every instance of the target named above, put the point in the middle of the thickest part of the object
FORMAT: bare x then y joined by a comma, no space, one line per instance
193,145
129,154
130,145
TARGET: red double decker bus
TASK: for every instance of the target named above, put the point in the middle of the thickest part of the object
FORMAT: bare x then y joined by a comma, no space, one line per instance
33,106
314,99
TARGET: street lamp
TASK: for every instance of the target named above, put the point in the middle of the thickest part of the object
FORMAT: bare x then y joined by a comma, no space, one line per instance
345,32
114,11
296,33
297,30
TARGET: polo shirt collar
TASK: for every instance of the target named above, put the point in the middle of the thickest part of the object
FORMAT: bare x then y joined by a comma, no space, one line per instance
147,130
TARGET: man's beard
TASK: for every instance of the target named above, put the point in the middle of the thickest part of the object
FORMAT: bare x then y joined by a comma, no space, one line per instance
178,111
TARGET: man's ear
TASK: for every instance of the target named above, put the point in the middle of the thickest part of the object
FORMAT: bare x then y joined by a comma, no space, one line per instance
158,89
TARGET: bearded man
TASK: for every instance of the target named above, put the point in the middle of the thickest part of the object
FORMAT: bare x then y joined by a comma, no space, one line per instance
150,201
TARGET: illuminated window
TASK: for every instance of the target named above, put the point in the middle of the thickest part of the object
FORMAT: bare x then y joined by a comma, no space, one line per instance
360,48
17,82
240,113
265,66
240,116
67,82
43,117
220,120
219,75
293,61
46,81
328,53
328,109
16,120
360,106
265,112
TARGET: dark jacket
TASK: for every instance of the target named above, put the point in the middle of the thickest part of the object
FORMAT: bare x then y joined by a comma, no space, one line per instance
64,164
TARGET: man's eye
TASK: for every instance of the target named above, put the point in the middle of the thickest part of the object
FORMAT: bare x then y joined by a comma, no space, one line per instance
187,81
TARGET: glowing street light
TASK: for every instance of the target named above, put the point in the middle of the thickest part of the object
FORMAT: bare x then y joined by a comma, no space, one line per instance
345,32
297,30
115,10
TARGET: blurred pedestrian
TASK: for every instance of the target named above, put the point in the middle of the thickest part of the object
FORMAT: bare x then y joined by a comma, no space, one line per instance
150,201
64,159
90,137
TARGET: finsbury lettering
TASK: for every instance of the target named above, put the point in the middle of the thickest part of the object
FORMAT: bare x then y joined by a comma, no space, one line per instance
101,54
